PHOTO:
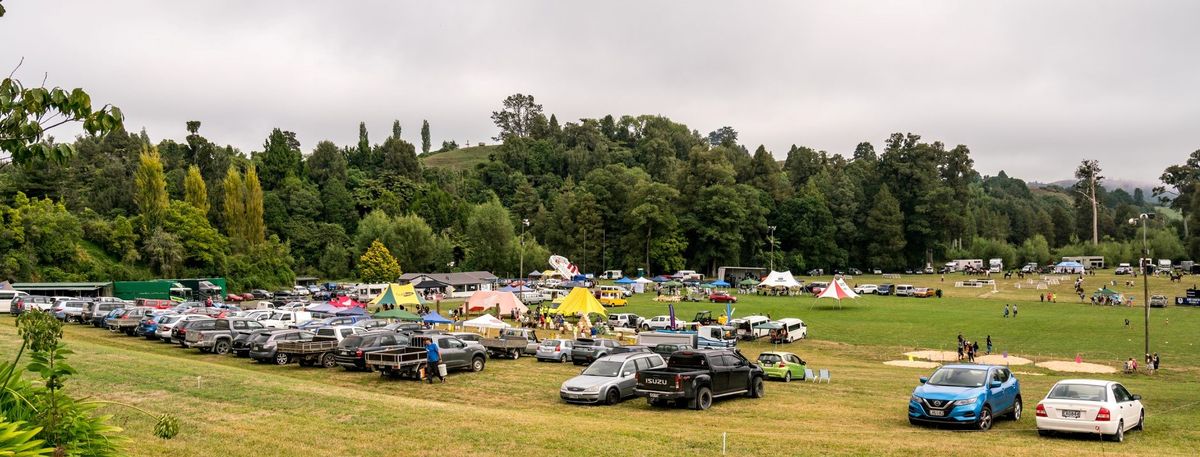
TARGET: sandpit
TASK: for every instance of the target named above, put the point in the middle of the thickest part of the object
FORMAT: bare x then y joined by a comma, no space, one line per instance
911,363
936,356
1072,367
998,359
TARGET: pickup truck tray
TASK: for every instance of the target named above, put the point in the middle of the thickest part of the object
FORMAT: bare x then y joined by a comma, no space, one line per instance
306,347
123,323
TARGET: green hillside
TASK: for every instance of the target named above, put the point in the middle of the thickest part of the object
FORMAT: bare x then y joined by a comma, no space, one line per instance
459,159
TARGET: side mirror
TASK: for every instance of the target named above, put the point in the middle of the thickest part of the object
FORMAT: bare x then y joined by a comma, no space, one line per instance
996,384
1137,397
924,380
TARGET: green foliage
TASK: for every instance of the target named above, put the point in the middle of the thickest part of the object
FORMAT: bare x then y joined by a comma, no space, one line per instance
885,228
377,264
279,159
16,440
425,137
264,265
254,231
489,238
516,117
150,189
195,191
26,115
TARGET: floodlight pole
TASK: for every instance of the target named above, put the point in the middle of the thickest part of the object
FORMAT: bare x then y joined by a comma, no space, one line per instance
1144,264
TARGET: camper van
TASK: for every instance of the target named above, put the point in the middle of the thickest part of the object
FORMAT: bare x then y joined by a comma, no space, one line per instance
794,329
995,265
905,290
745,330
611,274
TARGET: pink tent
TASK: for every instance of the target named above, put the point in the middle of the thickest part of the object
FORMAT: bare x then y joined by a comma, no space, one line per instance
507,301
837,290
345,302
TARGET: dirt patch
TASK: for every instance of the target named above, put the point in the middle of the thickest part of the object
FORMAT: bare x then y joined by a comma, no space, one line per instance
1072,367
997,359
912,363
936,356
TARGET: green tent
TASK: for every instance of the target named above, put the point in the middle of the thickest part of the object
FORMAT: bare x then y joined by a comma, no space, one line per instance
397,313
748,282
1107,292
672,284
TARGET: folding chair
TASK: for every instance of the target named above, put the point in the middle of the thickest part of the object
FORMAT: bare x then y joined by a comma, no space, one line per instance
823,376
809,376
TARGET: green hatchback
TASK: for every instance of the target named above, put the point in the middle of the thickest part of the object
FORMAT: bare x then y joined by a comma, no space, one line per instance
782,365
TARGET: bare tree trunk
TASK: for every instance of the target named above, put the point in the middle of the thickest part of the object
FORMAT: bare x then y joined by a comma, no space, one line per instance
1095,218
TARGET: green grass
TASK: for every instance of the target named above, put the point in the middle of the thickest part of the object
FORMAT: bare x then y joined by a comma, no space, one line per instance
459,159
231,406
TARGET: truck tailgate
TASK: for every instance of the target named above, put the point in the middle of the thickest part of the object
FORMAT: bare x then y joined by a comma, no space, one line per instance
659,381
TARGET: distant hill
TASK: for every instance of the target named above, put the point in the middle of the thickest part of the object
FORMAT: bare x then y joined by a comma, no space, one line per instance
1111,184
459,159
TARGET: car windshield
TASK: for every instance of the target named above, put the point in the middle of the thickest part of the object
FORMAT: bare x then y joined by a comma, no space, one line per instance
606,368
769,358
1084,392
958,377
262,338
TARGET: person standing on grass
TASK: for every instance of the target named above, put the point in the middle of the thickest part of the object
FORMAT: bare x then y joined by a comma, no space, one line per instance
989,344
1014,310
1154,362
433,357
974,349
1006,310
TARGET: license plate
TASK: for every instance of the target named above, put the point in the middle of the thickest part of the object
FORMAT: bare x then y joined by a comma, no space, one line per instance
938,413
1070,414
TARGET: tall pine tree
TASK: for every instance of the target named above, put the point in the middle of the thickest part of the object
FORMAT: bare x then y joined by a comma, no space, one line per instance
195,192
425,137
885,229
150,185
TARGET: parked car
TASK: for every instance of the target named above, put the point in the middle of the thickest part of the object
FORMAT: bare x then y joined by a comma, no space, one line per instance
219,339
261,294
721,296
513,343
330,322
95,312
405,327
371,323
69,310
609,379
1158,301
694,378
587,350
148,327
241,342
666,349
351,351
923,292
555,351
660,323
629,348
263,347
905,290
1090,406
885,289
782,365
792,329
966,394
285,318
22,303
127,320
866,289
626,320
472,339
454,353
166,326
7,297
179,331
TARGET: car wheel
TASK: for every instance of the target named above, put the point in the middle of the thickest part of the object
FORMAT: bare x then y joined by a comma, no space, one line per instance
477,364
787,377
645,328
328,361
1119,437
612,397
1141,425
563,359
756,388
282,359
703,399
221,348
516,355
1017,410
985,419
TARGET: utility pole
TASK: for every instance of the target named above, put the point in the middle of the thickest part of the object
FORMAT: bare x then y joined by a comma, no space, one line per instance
1144,264
771,239
524,223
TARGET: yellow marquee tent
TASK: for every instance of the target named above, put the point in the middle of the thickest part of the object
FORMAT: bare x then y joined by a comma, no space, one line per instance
396,294
580,300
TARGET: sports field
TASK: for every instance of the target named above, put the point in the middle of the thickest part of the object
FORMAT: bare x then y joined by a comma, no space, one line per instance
231,406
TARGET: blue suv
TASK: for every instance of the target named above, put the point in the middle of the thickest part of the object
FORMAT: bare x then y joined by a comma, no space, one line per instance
966,394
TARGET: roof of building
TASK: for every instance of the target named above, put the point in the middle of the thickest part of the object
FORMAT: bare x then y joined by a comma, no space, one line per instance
453,279
60,285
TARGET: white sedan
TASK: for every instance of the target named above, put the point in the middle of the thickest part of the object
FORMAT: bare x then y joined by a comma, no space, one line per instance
1090,406
867,289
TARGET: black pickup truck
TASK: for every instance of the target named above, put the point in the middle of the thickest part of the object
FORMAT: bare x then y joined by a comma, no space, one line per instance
693,378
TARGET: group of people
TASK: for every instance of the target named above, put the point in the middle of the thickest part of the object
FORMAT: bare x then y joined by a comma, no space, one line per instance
968,350
1047,297
1014,310
1152,361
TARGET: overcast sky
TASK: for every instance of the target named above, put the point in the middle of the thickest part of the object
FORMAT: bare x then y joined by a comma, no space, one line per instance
1031,87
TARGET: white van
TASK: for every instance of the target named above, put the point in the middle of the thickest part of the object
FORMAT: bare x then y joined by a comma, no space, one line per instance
745,327
905,290
794,329
7,297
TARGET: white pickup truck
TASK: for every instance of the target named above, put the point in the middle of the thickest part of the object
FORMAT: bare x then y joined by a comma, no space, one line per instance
285,319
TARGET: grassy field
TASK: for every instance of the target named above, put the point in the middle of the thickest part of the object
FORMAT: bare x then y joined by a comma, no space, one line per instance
231,406
459,159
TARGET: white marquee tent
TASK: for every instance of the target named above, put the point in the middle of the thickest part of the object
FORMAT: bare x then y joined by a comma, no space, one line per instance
780,279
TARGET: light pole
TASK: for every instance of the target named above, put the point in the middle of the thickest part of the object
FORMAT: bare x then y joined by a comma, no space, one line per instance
1144,263
771,239
524,223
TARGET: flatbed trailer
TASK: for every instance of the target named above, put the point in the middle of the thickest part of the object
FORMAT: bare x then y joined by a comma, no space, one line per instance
400,362
506,347
123,325
310,353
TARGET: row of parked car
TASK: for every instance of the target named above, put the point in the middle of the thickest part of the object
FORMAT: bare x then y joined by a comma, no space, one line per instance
899,290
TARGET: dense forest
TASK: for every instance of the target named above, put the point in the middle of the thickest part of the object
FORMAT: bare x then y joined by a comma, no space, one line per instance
613,192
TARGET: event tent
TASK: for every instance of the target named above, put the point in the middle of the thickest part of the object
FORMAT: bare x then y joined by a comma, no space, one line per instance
837,290
486,321
326,308
430,283
780,279
1107,293
580,301
352,311
397,313
517,289
535,274
748,282
624,281
434,318
396,294
506,301
642,280
719,283
1068,267
345,302
660,279
672,284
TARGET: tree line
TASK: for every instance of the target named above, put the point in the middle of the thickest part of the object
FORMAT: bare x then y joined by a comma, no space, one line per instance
614,192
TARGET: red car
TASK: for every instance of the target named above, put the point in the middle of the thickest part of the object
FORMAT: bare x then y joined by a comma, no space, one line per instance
233,297
722,297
